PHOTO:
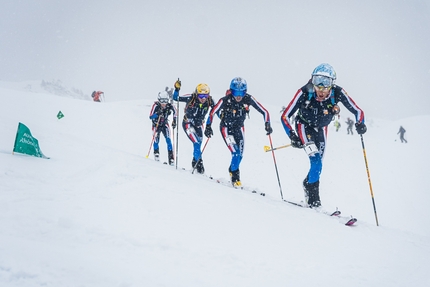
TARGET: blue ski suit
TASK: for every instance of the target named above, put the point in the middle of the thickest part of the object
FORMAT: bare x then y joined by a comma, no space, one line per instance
160,116
312,120
233,115
194,117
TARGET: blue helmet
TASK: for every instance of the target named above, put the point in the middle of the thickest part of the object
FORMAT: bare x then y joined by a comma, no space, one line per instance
323,75
238,87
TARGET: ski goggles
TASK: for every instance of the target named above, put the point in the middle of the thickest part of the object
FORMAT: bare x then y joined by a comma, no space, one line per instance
164,101
237,93
322,81
322,88
203,96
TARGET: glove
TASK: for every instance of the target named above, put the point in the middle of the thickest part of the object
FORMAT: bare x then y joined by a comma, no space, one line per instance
295,140
174,123
360,128
269,129
178,85
208,131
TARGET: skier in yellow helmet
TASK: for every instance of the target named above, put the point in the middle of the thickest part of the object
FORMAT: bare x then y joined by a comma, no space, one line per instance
197,105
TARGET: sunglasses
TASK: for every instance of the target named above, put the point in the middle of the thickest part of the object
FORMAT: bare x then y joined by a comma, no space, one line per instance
203,96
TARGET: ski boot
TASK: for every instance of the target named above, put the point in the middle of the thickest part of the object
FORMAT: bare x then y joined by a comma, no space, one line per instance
235,177
156,155
171,158
312,195
199,166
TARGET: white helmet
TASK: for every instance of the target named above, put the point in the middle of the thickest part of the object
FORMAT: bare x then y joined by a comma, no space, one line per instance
324,75
163,97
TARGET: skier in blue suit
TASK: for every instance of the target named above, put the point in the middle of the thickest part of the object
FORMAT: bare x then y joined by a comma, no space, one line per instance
316,103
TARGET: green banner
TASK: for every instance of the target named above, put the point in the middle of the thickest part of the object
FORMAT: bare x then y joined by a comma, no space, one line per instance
25,143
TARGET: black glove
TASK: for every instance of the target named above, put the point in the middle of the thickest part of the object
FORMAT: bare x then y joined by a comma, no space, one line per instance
269,129
295,140
174,123
178,85
208,131
360,128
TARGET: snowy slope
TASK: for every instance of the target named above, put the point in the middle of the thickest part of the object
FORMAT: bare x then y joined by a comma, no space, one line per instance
98,213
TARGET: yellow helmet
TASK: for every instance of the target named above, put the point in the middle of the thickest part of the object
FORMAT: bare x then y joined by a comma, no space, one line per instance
202,89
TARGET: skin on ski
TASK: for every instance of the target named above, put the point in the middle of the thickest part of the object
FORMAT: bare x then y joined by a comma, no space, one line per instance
351,221
229,184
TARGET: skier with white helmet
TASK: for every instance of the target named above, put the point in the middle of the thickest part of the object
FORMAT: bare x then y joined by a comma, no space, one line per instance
316,105
197,105
232,110
160,111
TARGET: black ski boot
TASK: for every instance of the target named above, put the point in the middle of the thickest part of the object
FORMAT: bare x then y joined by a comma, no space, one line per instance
312,193
199,166
235,177
171,158
156,155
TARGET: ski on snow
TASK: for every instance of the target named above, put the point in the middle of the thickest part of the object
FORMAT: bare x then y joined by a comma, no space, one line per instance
229,184
349,220
226,182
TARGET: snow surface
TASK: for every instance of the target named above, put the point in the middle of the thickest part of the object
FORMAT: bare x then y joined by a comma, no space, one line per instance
98,213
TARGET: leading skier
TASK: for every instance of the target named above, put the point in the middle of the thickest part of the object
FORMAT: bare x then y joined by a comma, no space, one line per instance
316,103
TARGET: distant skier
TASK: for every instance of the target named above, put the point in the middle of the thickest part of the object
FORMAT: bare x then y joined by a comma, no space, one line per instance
337,125
160,111
316,103
197,105
402,132
233,109
350,124
97,96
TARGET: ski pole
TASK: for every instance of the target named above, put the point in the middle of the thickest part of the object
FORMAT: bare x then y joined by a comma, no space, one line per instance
276,166
173,144
153,136
268,148
177,131
194,168
370,182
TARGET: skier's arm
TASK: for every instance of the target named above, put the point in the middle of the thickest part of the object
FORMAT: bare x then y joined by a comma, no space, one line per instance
175,95
183,98
290,110
175,112
259,107
351,106
153,113
214,111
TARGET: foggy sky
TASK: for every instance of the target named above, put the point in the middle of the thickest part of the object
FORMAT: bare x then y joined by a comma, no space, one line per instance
133,49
